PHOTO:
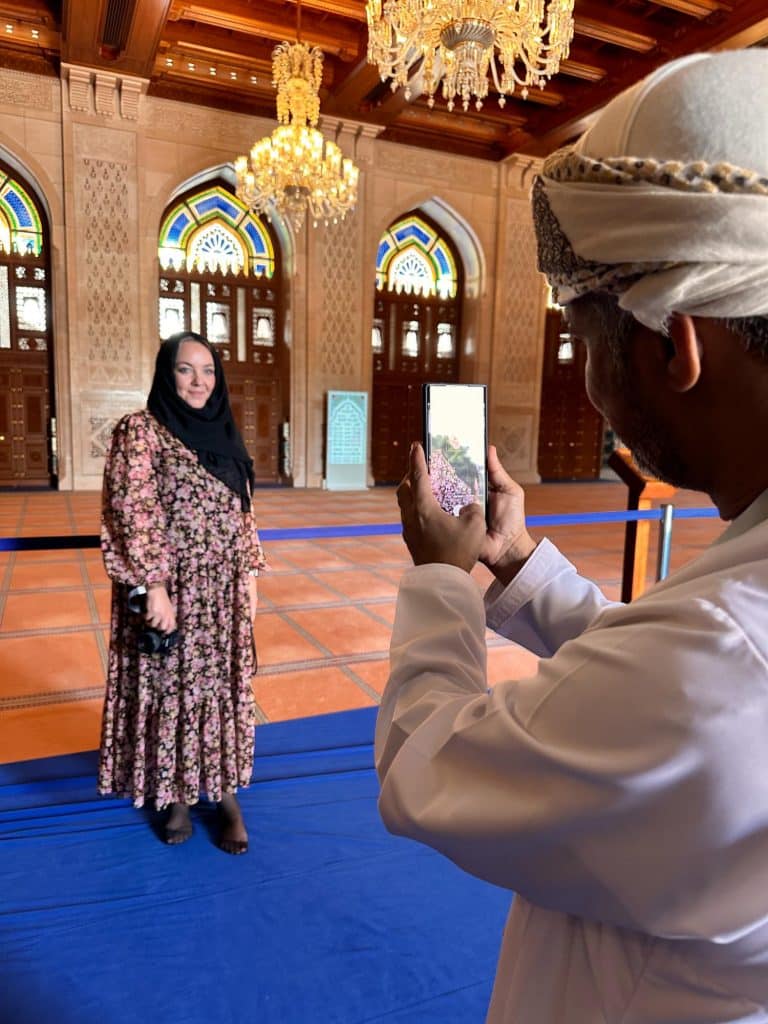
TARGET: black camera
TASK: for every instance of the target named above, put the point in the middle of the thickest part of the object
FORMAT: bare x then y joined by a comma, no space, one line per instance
151,641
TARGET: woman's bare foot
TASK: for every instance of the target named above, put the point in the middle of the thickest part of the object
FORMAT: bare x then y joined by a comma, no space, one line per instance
233,837
178,827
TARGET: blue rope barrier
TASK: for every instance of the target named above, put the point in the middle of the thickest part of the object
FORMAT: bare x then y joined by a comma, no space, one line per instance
369,529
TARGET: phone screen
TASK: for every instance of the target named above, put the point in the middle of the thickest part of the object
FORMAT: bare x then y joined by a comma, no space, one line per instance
455,444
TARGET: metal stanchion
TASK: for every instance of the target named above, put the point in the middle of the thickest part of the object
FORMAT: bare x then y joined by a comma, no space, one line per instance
665,541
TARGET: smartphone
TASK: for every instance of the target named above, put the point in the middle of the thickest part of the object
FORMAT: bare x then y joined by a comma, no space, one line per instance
456,444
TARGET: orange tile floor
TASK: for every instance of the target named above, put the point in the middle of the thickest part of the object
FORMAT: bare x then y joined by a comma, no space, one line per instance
324,620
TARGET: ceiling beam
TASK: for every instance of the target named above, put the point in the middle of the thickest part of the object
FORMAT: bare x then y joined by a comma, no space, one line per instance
332,36
83,40
589,19
696,8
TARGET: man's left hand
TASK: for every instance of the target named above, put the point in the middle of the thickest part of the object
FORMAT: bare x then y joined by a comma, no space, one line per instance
431,534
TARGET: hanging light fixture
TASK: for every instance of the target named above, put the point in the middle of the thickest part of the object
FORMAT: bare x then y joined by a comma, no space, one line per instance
296,168
520,42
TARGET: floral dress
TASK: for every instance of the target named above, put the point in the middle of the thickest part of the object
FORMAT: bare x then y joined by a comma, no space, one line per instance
180,724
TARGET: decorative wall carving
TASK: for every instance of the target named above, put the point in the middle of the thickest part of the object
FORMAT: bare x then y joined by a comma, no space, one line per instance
215,129
468,175
519,172
25,90
98,415
512,434
99,92
341,317
521,304
99,434
109,256
104,94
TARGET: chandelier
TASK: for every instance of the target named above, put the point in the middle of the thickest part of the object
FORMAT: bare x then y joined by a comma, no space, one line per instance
459,41
296,168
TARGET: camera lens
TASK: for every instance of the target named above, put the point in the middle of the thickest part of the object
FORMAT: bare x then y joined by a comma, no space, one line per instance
150,641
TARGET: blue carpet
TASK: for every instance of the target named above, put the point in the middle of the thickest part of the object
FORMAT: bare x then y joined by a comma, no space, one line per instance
327,920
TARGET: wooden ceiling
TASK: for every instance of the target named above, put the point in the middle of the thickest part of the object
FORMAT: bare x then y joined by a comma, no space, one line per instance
218,52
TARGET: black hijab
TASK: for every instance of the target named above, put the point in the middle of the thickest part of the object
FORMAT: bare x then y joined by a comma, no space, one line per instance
210,432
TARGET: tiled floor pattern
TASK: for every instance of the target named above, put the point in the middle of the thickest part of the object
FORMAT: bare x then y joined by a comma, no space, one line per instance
325,615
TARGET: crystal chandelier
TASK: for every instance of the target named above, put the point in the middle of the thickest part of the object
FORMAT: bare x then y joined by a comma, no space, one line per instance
296,168
521,42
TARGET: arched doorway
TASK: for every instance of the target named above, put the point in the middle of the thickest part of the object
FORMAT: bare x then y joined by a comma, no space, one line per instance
27,415
415,336
221,275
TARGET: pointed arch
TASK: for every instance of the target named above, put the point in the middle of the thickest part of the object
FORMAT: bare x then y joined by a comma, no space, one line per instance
415,334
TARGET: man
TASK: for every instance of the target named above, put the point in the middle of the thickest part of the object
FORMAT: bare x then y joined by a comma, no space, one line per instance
622,792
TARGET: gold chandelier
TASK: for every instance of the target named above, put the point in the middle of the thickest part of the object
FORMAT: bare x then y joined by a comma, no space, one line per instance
296,168
459,41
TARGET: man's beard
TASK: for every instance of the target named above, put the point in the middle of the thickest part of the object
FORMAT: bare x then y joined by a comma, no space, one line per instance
652,447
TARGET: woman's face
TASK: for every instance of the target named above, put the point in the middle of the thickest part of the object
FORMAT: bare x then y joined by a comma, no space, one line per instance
194,373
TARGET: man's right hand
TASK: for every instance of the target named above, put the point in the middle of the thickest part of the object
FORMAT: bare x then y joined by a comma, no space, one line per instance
507,542
160,614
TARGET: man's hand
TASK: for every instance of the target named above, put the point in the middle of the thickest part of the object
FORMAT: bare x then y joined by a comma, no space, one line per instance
431,534
507,543
160,614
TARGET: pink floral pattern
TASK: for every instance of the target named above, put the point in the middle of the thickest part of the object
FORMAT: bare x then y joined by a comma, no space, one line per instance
179,725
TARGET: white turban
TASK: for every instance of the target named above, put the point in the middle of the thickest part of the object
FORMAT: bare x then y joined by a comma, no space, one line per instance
664,201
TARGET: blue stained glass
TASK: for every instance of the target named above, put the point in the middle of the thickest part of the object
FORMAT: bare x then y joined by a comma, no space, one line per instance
413,231
216,202
19,208
384,248
442,261
255,236
176,229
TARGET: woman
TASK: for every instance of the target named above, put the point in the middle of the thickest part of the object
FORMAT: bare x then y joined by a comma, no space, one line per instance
177,524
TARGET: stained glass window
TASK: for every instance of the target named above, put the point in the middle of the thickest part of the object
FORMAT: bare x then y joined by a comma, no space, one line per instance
214,230
20,227
413,258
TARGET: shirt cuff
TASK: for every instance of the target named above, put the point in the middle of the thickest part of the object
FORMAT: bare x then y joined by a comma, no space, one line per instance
501,602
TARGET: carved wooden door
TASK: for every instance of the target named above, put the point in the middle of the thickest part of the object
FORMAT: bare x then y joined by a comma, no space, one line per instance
27,455
243,319
570,428
415,341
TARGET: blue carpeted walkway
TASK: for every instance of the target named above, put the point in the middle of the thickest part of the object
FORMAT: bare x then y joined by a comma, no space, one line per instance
327,920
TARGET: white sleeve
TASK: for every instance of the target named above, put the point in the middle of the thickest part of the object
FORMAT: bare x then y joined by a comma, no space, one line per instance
604,785
547,603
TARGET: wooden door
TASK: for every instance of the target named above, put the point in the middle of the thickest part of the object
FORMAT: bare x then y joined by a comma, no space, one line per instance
26,456
415,341
243,319
570,428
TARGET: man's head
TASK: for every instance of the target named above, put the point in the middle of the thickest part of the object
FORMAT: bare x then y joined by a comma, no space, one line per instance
653,230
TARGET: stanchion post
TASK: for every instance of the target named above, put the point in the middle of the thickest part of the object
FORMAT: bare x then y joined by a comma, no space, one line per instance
665,540
642,490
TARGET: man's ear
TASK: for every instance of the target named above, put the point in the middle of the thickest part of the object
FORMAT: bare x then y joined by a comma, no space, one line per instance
684,353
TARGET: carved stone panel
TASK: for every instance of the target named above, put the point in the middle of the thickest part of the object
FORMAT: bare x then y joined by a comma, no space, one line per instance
24,90
521,304
340,330
108,254
512,433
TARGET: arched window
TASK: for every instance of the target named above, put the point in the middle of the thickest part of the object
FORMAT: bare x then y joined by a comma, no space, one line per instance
415,333
220,276
27,421
413,258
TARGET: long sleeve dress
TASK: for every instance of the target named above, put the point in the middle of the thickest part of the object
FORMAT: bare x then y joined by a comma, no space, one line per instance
621,791
178,725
